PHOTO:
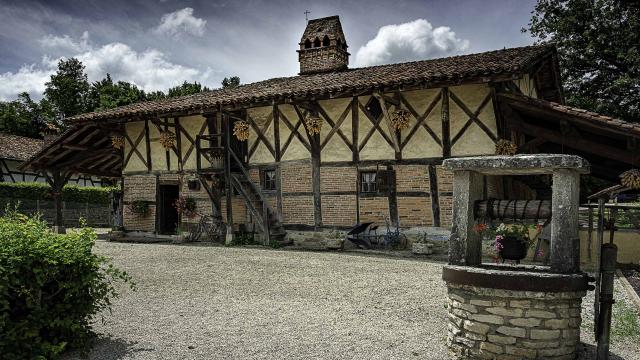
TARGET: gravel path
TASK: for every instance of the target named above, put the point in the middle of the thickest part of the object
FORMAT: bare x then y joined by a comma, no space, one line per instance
196,302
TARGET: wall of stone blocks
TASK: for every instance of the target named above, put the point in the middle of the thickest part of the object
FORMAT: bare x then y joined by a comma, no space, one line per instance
502,324
445,195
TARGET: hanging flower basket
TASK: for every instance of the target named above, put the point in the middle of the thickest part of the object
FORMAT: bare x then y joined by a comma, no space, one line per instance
400,120
631,178
241,130
117,142
506,147
167,139
313,125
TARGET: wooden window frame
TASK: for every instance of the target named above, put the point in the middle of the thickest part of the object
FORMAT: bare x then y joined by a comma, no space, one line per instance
268,185
368,187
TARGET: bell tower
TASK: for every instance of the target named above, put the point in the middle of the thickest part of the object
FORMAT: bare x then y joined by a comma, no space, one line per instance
323,47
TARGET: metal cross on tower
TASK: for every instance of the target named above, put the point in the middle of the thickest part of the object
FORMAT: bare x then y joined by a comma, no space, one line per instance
306,15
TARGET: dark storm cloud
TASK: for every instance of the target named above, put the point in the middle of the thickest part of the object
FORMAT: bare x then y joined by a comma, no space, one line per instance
157,44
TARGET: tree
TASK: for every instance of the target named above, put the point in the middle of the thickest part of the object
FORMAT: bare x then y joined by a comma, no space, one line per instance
186,89
68,88
598,46
24,116
230,82
104,94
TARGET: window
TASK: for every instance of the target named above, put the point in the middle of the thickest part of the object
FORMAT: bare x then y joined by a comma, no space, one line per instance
307,44
316,43
269,179
325,41
374,108
368,182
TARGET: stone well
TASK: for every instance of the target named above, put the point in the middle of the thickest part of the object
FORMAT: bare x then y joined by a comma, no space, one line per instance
515,311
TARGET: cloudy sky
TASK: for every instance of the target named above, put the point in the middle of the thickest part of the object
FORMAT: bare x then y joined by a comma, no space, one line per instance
157,44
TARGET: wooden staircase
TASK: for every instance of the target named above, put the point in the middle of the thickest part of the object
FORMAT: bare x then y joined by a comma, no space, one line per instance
262,216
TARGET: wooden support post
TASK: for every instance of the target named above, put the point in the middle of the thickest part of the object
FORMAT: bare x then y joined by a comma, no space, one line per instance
178,128
355,121
278,158
565,241
446,129
465,244
57,181
315,178
590,231
227,175
148,143
433,189
276,132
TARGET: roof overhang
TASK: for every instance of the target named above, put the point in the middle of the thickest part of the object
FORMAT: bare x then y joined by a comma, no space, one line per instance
84,149
610,145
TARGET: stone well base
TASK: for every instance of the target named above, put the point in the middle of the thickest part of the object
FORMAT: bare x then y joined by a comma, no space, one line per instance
495,323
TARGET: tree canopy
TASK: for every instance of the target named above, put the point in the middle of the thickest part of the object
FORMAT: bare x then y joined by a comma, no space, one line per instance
230,82
69,93
598,46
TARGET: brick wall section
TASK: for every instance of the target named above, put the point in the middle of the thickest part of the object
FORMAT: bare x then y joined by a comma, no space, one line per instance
296,176
139,187
502,324
414,211
338,179
297,210
373,209
239,210
339,210
412,178
203,202
445,189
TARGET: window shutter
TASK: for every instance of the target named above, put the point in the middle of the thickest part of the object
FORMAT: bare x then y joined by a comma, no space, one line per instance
386,181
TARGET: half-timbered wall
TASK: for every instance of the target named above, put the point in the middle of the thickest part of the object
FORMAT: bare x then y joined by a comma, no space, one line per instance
9,172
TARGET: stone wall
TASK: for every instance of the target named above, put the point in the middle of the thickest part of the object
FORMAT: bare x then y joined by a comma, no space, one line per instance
502,324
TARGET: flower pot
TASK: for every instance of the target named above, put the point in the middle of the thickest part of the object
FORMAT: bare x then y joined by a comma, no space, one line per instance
513,248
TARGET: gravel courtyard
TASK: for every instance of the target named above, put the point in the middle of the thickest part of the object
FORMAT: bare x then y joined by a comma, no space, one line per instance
196,302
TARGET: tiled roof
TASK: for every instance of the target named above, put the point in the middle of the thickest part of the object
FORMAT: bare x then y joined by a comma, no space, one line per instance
595,118
455,69
20,148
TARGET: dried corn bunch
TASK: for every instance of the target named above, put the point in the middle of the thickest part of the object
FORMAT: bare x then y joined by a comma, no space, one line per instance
506,147
631,178
400,119
167,139
117,141
241,130
313,125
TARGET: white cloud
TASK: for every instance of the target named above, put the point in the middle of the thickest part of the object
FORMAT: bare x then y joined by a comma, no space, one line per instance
180,21
149,69
66,43
415,40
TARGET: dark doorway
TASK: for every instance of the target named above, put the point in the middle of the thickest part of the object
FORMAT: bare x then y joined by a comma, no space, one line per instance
168,215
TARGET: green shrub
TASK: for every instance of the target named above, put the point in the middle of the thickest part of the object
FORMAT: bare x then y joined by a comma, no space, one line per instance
51,288
70,193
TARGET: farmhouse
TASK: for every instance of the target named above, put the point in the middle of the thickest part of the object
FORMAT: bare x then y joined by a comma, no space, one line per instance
336,146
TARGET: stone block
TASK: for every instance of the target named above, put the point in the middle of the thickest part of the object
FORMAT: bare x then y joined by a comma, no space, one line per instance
520,303
498,339
462,340
539,344
512,331
481,302
457,297
571,333
557,323
476,327
520,351
541,334
467,307
513,312
474,336
491,319
556,352
541,314
525,322
492,348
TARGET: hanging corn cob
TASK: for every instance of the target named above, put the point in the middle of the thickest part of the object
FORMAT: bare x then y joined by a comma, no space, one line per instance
400,119
117,141
313,124
167,139
241,130
631,178
506,147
